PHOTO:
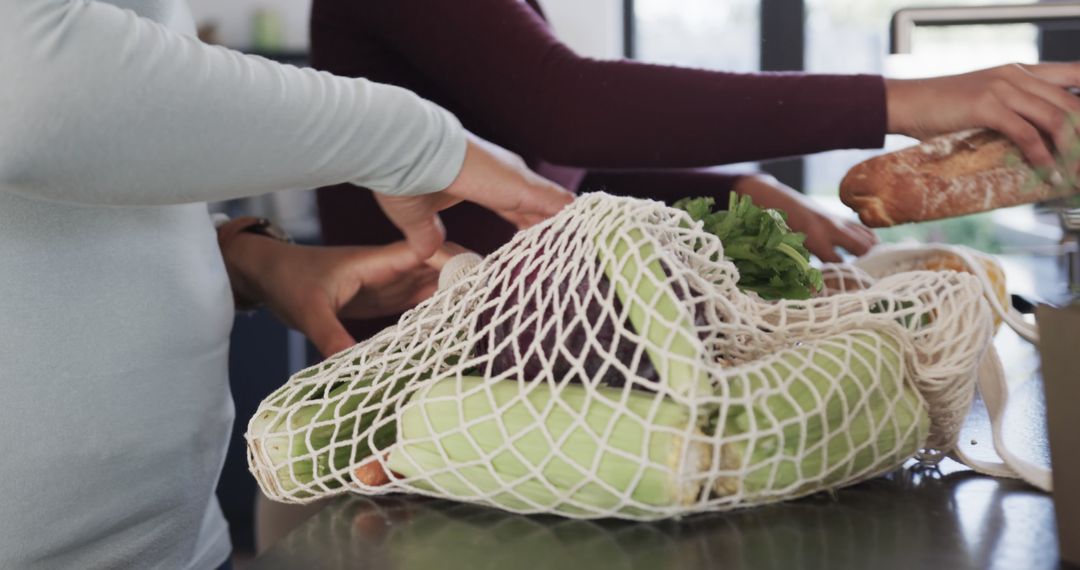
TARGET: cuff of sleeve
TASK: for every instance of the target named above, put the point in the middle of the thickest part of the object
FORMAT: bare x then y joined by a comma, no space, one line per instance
443,171
869,114
219,219
436,169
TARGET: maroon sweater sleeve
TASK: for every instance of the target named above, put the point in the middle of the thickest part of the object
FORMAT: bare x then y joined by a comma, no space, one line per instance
502,62
668,185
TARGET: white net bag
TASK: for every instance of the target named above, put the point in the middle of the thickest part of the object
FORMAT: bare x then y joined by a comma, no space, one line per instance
604,363
994,387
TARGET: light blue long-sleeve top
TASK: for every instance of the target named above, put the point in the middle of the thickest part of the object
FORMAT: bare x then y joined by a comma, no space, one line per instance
116,126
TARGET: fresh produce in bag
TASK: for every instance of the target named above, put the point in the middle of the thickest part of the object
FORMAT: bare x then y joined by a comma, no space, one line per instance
608,363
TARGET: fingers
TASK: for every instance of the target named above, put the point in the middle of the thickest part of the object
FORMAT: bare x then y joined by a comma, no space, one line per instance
1022,133
1068,102
425,237
1066,131
1044,115
536,200
1023,102
824,251
543,199
325,331
386,263
445,252
393,297
1047,107
418,218
1062,74
1034,95
871,237
523,221
500,181
853,237
855,241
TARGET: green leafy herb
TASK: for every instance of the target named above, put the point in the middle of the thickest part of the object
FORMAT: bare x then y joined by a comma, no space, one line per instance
771,258
1064,178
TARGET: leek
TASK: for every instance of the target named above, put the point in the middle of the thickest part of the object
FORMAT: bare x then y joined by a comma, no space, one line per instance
656,312
543,449
822,414
310,448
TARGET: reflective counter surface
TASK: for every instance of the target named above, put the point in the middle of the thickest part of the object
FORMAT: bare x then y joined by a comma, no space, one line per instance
907,520
914,518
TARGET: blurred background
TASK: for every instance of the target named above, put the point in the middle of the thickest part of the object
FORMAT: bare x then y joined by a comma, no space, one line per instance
829,36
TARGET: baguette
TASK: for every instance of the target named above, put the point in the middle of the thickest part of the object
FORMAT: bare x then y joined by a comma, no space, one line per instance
950,175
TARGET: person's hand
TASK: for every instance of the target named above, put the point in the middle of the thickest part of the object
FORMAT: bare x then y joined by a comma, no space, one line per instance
311,288
491,177
1024,102
824,232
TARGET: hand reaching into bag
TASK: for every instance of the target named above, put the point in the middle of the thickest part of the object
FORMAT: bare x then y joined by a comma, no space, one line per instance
491,177
311,288
824,232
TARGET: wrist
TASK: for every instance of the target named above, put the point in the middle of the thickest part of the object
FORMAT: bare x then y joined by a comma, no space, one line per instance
763,189
751,184
899,94
249,257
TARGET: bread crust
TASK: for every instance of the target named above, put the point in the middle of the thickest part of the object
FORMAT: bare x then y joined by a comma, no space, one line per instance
950,175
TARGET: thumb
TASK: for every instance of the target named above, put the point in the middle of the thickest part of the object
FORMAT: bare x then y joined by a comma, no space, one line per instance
385,263
325,331
823,248
544,199
854,241
424,236
418,218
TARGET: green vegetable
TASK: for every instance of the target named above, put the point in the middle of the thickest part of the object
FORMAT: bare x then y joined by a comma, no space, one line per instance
909,320
771,259
470,438
806,418
822,413
310,444
1064,177
656,312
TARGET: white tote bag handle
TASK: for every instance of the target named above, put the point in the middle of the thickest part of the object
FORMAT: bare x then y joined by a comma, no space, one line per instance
995,394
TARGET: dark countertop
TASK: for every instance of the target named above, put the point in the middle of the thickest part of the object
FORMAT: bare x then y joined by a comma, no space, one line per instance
906,520
916,517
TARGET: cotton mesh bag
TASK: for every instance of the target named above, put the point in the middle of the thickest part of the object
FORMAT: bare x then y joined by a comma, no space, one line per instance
994,387
605,364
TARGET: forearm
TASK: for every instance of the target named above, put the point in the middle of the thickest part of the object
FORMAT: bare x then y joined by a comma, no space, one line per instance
767,192
104,107
536,96
639,116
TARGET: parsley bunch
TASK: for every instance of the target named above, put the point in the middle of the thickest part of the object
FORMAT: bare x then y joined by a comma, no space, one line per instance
771,259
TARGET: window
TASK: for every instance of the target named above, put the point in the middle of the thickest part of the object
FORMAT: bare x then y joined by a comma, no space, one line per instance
851,36
699,33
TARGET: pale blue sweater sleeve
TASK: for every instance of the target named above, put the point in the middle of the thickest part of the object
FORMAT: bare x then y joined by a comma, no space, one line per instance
101,106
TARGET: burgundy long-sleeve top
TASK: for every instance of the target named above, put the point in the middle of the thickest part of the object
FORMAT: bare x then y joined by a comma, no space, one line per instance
618,125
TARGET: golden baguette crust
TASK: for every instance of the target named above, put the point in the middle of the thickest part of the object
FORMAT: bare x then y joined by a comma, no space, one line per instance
946,176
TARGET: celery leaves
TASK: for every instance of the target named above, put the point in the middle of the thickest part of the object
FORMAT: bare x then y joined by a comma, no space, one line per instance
771,258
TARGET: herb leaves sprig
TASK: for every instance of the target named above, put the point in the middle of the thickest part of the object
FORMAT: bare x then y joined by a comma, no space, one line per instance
771,258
